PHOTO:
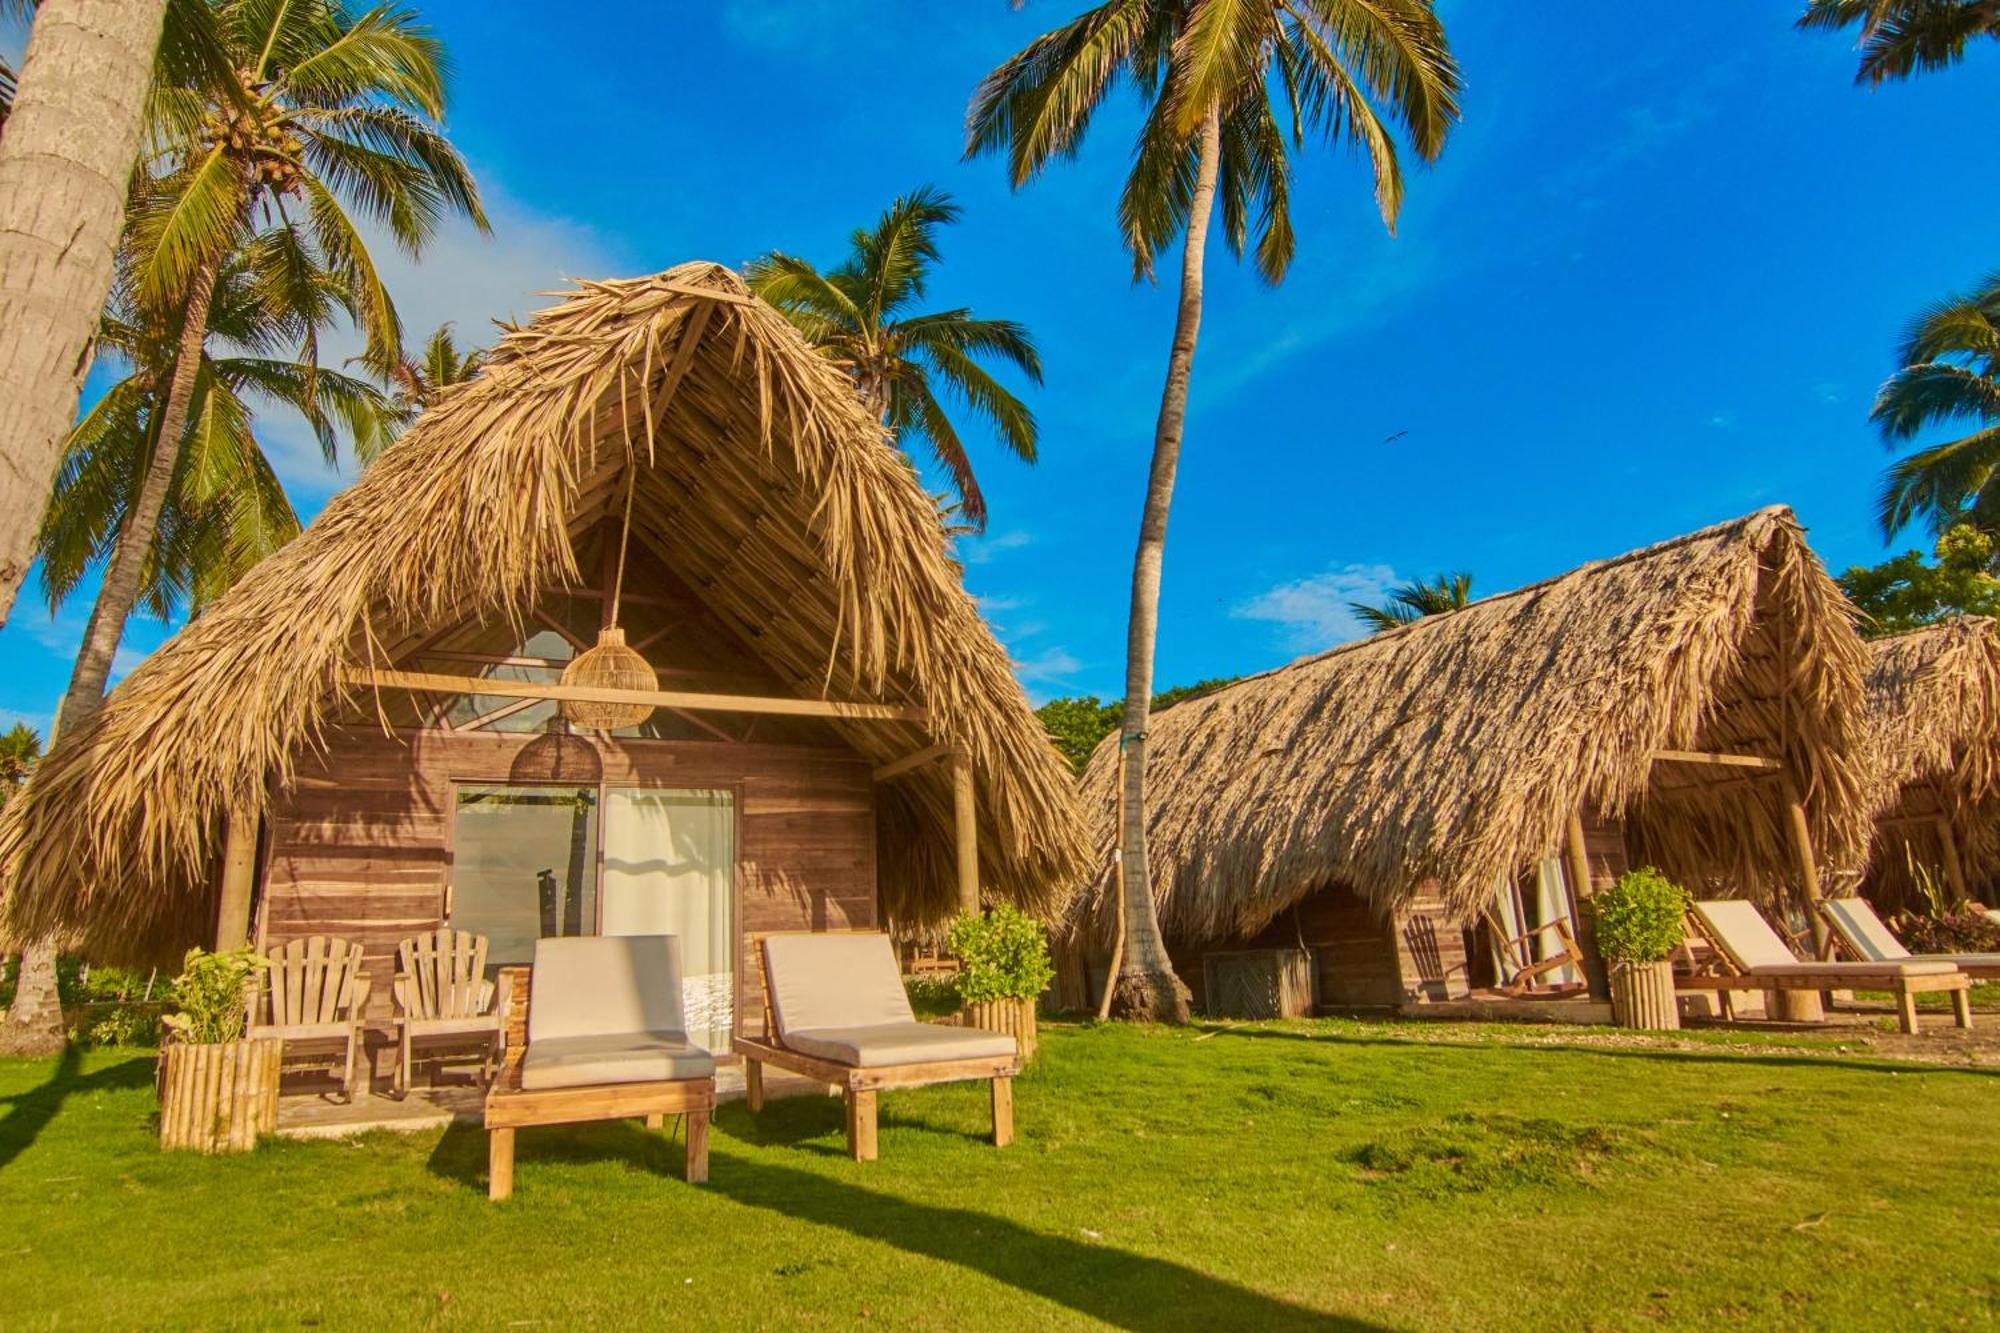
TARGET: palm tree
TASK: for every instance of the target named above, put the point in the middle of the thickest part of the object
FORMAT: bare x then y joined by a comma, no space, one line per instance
859,316
311,111
1413,601
419,383
64,162
34,1020
1950,361
225,509
1904,37
1210,70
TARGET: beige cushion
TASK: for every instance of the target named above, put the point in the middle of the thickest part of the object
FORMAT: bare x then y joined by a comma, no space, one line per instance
593,985
1743,934
899,1044
642,1057
833,981
1860,927
1913,967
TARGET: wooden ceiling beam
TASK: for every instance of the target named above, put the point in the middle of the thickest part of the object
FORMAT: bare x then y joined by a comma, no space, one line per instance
672,699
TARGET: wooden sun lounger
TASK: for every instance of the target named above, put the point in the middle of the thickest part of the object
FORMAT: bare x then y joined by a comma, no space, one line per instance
1862,936
1748,955
606,1040
843,996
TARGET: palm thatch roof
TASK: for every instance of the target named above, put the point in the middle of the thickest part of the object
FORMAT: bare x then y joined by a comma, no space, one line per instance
1454,750
760,479
1934,754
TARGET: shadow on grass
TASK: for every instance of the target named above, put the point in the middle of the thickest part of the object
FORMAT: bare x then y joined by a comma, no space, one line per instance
29,1112
1719,1055
1117,1287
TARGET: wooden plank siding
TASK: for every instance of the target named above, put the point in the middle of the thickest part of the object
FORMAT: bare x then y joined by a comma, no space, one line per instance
360,846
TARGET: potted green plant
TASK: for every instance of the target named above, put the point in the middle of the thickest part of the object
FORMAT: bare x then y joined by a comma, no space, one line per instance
218,1090
1640,920
1004,967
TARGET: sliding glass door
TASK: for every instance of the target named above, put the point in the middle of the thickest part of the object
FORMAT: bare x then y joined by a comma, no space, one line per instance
535,862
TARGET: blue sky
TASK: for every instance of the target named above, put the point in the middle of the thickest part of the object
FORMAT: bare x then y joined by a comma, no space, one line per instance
1652,284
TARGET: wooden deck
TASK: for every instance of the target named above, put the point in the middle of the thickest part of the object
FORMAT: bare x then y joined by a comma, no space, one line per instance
312,1115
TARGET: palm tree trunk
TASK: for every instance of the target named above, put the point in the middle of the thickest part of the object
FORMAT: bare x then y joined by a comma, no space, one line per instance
34,1022
120,590
64,164
1147,988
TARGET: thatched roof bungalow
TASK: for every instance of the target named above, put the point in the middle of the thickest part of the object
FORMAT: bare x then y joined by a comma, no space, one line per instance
1661,707
1934,763
369,721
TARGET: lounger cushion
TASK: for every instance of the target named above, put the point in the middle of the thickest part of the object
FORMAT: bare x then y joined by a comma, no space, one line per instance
632,1057
593,985
1914,967
1859,926
834,981
884,1044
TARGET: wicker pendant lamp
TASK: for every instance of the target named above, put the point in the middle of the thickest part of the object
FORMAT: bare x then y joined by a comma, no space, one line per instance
611,664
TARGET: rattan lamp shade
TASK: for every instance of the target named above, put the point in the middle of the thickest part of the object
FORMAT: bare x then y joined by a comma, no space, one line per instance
610,665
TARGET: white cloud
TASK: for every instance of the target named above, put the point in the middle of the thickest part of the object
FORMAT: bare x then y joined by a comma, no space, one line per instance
1051,666
982,550
992,604
463,279
1314,610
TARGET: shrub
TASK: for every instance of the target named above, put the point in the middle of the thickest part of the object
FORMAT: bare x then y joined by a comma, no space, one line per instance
209,994
1956,930
133,1024
1004,954
1640,919
933,997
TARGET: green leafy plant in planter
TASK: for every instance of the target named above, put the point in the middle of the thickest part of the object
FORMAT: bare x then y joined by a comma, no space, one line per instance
208,994
1639,922
1004,967
1641,918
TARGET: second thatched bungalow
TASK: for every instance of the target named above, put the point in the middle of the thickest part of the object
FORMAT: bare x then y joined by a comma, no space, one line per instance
1393,817
367,738
1934,765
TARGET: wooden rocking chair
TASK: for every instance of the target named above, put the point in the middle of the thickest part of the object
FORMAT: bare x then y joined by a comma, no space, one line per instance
442,995
1524,970
314,991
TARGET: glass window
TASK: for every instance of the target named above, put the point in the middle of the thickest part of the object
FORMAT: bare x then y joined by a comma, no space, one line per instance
524,866
527,866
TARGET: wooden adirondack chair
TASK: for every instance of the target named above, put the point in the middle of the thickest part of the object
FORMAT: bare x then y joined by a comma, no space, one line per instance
313,992
442,994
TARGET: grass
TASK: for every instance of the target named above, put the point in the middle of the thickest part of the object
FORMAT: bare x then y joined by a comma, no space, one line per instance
1324,1174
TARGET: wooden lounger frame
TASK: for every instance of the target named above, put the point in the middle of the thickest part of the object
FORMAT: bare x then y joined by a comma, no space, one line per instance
1720,974
509,1106
861,1085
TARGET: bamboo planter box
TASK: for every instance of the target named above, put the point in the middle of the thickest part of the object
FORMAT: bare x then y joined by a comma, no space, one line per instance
1642,996
1016,1018
217,1098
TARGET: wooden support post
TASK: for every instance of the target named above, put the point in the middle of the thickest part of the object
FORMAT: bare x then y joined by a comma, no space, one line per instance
753,1085
697,1147
965,823
239,877
861,1124
656,1120
1003,1112
1954,869
1802,1006
1576,865
499,1163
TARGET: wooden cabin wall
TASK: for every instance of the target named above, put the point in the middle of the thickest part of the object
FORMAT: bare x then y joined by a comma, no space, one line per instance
360,844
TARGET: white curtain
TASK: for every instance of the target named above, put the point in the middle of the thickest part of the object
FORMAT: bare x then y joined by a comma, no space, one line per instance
1552,904
669,862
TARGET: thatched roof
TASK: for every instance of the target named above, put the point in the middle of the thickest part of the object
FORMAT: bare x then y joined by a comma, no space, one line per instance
761,481
1455,749
1934,752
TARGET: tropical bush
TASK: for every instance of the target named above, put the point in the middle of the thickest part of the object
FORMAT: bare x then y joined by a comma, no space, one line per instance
1640,918
208,994
1950,930
933,997
1004,955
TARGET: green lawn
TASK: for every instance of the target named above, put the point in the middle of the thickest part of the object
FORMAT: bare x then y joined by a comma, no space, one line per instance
1332,1173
